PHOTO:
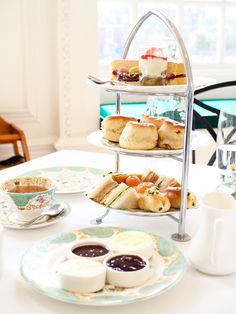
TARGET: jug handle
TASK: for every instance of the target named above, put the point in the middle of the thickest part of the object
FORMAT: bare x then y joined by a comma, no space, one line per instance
216,239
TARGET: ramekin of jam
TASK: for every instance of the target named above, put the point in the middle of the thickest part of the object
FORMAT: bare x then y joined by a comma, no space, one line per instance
90,249
126,270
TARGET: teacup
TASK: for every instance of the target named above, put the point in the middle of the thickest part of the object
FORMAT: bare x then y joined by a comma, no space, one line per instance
31,195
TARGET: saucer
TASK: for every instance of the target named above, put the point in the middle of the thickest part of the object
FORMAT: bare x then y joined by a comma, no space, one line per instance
9,219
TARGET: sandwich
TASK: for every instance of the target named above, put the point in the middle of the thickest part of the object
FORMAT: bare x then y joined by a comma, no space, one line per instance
149,176
99,192
123,197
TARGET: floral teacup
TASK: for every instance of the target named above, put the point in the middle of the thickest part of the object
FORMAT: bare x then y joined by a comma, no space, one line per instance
31,195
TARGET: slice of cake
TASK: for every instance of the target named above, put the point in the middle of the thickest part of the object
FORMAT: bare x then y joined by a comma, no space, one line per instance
125,70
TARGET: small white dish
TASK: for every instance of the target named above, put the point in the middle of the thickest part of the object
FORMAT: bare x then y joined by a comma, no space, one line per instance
81,275
93,250
134,242
120,269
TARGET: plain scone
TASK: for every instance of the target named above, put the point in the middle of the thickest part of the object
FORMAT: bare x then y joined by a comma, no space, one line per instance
171,135
157,121
113,125
138,136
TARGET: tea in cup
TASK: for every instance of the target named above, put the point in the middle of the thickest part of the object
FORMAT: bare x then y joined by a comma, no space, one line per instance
31,195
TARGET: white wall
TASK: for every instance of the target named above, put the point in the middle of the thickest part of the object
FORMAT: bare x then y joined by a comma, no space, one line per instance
47,50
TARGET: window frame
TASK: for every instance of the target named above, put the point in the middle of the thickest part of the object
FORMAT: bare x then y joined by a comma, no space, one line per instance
217,69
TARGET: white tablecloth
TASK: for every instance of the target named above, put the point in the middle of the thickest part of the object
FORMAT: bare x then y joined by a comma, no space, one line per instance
196,293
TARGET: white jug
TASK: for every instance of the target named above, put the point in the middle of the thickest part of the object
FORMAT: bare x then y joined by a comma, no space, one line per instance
213,249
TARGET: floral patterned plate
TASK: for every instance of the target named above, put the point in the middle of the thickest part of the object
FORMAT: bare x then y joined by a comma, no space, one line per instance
39,263
69,179
8,217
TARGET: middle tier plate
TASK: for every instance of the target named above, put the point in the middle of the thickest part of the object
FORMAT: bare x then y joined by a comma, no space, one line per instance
198,139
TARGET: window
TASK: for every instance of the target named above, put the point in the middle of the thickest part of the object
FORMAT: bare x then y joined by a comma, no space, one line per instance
208,28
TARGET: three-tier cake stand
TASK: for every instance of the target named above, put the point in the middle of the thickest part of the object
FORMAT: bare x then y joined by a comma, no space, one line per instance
186,91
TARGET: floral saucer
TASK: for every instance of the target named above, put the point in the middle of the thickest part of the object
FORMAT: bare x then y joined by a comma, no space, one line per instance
9,219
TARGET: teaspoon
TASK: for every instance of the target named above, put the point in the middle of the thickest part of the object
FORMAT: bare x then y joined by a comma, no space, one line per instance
51,212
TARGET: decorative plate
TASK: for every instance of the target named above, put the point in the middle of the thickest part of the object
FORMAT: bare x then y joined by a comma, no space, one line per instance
154,90
69,179
168,89
38,268
139,212
198,140
9,220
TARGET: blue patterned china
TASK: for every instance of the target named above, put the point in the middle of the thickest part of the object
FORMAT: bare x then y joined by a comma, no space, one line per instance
30,195
39,268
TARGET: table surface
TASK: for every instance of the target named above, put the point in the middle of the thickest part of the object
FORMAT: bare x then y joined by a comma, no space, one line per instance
195,293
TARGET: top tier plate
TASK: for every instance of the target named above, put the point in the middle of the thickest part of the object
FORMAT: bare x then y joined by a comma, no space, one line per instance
154,90
127,88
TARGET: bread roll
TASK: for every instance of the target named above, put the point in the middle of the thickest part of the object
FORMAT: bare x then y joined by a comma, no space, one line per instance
113,125
138,136
171,135
157,121
174,196
154,201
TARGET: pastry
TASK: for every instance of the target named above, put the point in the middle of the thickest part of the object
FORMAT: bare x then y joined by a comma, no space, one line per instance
125,70
174,196
113,125
157,121
171,135
138,136
153,200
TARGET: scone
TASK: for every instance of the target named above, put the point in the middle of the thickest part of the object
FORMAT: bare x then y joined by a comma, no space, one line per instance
157,121
113,125
138,136
171,135
154,201
174,196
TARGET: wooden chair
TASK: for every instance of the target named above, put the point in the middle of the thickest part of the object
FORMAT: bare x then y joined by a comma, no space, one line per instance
11,134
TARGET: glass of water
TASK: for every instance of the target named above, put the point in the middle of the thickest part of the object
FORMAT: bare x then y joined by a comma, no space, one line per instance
226,145
172,107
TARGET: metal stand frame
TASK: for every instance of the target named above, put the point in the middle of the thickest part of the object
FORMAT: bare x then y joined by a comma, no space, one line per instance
189,95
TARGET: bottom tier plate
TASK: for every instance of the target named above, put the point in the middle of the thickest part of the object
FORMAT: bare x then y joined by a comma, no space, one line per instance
38,268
